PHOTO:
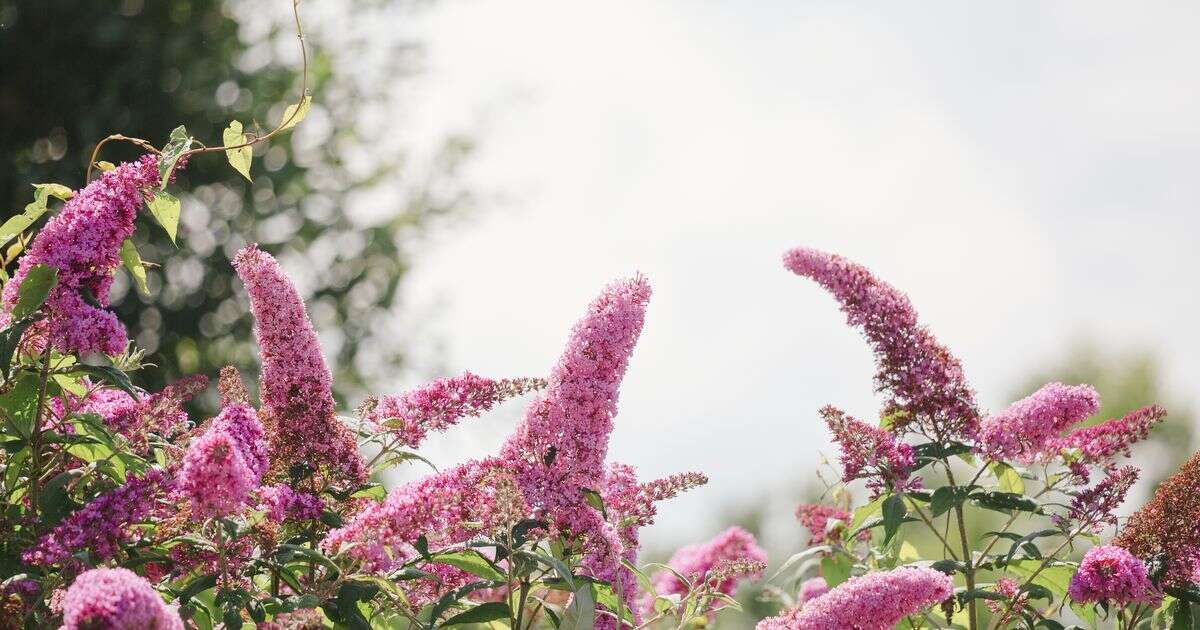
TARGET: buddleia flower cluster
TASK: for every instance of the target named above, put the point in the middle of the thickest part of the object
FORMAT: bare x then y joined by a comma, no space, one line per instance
123,510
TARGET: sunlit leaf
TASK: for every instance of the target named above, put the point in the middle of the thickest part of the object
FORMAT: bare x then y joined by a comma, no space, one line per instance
241,157
296,112
35,288
177,144
165,208
133,263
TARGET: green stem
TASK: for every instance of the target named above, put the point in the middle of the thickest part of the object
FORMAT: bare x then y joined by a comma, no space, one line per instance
969,571
35,439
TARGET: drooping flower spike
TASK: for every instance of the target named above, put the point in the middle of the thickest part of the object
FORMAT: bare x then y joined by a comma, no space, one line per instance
876,601
83,242
296,386
924,380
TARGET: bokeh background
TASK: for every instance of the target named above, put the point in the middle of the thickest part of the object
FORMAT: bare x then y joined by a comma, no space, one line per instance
473,171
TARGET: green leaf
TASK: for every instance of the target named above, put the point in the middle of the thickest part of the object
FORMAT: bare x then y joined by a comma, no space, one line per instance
177,144
835,569
483,613
10,338
239,158
105,166
1181,618
56,504
1005,501
865,512
312,555
581,613
946,498
58,191
34,290
133,262
20,405
469,561
1008,478
374,491
594,499
165,209
33,211
296,113
894,512
110,374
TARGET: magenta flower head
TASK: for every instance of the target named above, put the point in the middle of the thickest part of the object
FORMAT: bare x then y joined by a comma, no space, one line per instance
876,601
116,599
215,475
84,242
697,562
1111,574
296,384
812,588
241,423
103,524
1028,430
924,380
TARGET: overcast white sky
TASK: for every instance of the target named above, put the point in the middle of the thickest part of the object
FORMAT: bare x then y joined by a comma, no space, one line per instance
1026,171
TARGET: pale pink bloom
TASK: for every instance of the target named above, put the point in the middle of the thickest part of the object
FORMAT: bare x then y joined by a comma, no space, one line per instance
697,563
1028,430
812,588
116,599
215,476
875,601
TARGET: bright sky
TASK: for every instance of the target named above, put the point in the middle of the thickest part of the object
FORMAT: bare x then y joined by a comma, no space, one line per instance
1026,171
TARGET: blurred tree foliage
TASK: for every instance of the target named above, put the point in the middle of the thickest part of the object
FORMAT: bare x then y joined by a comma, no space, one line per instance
74,72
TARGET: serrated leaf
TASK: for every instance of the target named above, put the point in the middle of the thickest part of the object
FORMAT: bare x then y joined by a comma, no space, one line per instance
178,143
34,290
296,113
241,157
165,208
133,263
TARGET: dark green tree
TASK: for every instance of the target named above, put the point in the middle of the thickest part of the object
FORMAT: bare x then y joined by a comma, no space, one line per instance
74,72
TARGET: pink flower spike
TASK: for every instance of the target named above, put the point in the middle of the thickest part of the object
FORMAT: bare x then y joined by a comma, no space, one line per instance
1099,443
116,599
441,404
83,242
296,384
812,588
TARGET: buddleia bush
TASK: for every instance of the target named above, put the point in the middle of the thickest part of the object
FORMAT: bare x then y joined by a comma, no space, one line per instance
121,510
